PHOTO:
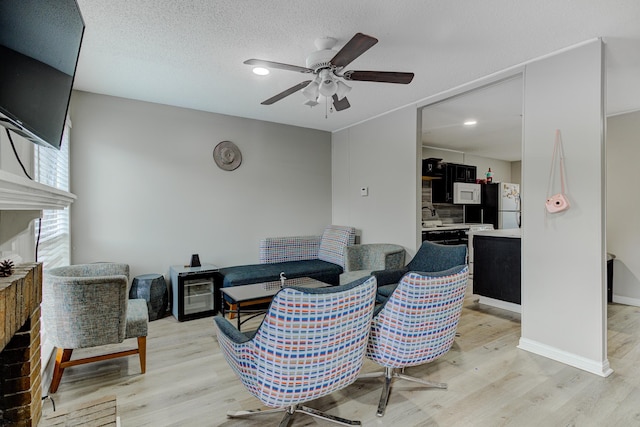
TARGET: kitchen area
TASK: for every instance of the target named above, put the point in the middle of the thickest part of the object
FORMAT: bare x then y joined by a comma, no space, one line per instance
485,216
471,193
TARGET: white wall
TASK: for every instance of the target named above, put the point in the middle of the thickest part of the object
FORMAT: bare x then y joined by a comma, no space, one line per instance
24,148
563,267
516,173
623,204
381,155
149,193
563,283
22,247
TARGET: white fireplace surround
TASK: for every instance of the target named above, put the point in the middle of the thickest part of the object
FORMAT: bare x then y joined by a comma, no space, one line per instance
22,200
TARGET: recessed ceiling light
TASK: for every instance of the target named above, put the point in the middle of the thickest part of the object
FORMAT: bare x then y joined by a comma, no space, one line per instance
470,122
260,71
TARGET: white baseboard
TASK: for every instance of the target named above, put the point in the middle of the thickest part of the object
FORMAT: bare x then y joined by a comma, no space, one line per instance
500,304
626,300
592,366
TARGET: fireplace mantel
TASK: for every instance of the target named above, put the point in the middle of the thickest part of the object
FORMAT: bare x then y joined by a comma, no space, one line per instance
23,200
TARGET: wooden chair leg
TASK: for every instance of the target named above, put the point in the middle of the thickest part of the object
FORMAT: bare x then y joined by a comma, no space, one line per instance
231,313
142,350
62,355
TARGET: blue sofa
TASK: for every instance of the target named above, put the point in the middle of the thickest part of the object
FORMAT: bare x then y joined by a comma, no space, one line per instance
318,257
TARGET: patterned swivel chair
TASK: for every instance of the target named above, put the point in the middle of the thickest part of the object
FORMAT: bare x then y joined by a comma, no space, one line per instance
311,343
87,305
430,257
416,325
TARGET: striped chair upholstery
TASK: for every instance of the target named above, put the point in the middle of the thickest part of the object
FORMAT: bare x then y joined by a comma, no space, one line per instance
334,242
417,324
311,343
86,305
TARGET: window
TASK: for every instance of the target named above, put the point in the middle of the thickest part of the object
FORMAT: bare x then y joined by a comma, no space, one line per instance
51,167
53,242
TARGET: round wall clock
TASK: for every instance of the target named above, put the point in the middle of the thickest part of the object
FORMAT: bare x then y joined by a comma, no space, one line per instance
227,156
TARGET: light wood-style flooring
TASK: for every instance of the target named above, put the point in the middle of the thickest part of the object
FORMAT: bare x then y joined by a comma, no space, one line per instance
491,382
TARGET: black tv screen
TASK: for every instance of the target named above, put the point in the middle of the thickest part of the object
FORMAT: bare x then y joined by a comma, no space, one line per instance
39,48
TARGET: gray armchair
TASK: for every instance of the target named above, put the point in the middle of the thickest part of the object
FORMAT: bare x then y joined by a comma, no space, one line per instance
361,260
86,305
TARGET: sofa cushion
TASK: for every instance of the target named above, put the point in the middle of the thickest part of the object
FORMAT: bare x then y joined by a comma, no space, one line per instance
257,273
333,243
282,249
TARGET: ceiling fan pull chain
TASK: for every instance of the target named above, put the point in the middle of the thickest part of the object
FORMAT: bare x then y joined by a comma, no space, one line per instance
326,108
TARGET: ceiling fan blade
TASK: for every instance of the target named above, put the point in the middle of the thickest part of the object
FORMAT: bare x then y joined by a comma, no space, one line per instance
355,47
341,104
286,93
281,66
379,76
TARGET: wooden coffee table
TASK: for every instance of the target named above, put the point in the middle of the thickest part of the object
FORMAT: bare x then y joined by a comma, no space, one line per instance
246,295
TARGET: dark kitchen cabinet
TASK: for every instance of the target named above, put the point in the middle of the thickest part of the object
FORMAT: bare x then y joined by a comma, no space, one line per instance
465,173
442,189
433,167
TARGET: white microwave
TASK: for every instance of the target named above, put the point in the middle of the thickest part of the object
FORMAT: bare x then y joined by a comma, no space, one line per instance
466,194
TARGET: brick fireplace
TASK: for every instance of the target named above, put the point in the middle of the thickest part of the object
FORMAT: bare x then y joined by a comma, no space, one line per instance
20,366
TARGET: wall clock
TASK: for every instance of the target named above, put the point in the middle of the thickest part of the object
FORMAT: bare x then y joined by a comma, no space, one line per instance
227,155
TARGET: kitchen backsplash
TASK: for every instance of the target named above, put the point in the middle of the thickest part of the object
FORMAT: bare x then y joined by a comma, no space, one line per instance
445,212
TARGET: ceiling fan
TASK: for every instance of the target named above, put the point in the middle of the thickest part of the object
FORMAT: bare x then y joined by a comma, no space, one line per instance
327,66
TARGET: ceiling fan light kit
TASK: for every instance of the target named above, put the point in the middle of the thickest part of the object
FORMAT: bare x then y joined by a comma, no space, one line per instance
312,90
342,90
327,65
328,85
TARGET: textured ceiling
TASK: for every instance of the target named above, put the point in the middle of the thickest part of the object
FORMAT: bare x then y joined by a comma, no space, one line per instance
190,53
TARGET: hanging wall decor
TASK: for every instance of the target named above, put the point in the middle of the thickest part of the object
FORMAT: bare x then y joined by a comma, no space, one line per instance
227,156
557,202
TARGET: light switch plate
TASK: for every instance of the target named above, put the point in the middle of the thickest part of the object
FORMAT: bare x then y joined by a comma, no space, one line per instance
364,191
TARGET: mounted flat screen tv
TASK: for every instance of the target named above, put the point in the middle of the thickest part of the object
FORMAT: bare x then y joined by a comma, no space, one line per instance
39,48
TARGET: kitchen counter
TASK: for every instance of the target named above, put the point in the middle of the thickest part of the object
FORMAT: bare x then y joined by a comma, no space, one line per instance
509,232
458,226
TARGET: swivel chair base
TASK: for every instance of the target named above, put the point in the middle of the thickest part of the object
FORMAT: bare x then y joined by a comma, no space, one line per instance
290,411
391,373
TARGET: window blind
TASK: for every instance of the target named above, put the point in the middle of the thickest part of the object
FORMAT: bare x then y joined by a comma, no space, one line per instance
51,167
